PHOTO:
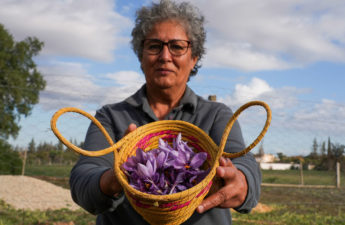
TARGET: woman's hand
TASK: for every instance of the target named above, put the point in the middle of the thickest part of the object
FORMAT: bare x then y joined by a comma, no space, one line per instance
108,182
234,191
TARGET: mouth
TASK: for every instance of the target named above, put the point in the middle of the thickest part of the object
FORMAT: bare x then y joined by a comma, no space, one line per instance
164,70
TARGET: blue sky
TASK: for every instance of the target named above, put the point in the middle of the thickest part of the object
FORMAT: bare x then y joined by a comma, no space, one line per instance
290,54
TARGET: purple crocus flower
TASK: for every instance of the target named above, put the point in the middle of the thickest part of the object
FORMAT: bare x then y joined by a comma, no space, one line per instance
167,169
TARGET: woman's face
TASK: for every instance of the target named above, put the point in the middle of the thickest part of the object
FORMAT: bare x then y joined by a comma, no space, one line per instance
165,70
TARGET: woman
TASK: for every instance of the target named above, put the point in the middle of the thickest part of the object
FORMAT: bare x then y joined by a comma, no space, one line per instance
169,41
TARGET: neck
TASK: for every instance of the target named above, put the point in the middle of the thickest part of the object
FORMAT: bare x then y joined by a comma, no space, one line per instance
162,101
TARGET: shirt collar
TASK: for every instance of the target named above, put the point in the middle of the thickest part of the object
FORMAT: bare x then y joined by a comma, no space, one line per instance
188,101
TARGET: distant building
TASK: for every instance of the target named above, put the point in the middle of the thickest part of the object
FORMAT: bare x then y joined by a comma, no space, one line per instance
265,158
212,98
269,162
277,166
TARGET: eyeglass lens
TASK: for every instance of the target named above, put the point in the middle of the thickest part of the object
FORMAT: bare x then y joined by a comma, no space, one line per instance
176,47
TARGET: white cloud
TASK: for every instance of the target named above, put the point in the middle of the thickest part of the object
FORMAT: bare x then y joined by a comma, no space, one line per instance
324,116
258,89
289,112
78,28
247,35
254,89
70,85
295,121
269,34
126,83
240,56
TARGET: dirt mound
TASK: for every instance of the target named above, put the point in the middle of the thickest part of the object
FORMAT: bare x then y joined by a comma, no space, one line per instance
24,192
262,208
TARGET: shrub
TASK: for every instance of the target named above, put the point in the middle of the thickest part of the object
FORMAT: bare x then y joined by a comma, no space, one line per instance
10,161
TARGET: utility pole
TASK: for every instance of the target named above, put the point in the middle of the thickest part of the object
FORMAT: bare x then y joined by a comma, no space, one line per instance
301,170
338,174
24,162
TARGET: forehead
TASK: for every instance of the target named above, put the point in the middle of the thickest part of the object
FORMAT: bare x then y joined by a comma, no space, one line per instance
167,30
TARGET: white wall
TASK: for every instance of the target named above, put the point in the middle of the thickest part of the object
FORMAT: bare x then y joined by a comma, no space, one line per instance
275,166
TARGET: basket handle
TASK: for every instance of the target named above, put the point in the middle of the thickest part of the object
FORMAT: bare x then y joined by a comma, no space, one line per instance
231,123
75,148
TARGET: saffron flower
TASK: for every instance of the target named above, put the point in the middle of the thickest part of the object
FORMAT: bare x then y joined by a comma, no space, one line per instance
167,169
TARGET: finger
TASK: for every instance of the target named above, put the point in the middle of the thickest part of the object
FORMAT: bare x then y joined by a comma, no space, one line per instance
226,172
212,201
220,170
225,168
222,161
131,127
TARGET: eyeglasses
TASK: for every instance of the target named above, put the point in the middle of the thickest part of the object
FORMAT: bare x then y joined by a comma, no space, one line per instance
176,47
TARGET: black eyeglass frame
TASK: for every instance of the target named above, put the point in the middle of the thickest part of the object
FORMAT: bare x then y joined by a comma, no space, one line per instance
189,43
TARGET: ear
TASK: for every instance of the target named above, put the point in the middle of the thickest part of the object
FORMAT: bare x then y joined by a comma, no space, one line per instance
194,61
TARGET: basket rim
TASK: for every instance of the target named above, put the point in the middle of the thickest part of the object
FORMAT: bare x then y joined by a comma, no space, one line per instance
167,197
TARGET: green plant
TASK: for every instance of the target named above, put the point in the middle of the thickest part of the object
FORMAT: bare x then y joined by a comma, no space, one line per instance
10,161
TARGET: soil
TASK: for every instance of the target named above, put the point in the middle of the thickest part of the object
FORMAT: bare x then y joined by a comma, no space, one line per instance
29,193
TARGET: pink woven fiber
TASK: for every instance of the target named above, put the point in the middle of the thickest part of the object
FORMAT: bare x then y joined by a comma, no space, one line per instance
172,206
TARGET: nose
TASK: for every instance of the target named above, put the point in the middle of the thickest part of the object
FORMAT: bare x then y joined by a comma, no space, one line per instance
165,54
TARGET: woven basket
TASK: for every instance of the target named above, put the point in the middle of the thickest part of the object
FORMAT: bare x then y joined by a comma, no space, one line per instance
173,208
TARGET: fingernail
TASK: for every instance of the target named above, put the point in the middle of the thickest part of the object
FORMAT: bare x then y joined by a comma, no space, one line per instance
222,160
200,209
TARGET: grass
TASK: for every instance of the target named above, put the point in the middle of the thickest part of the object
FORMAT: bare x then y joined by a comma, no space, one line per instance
289,205
310,177
298,206
283,216
48,170
11,216
56,174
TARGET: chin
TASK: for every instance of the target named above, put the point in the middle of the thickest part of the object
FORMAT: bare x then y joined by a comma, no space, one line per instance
163,86
164,83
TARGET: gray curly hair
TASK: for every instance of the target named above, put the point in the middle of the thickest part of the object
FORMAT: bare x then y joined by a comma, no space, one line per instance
185,13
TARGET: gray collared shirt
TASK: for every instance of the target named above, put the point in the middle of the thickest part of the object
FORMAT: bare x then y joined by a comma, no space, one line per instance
211,117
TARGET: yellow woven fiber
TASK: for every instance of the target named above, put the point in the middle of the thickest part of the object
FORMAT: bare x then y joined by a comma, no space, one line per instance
174,208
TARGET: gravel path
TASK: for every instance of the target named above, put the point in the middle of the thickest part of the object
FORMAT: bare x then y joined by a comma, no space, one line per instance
23,192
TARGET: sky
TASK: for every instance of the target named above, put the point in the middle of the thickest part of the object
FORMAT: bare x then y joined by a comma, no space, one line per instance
288,53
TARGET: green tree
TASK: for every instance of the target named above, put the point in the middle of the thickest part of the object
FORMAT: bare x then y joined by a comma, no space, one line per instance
261,150
20,81
323,148
281,157
32,146
330,160
10,161
314,148
338,151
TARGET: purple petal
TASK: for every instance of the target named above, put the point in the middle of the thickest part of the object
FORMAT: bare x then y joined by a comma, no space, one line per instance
130,165
161,158
152,159
198,159
166,169
143,171
150,168
141,156
181,187
187,148
177,141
